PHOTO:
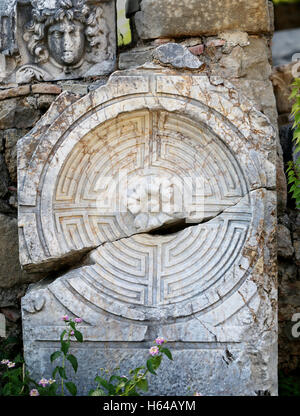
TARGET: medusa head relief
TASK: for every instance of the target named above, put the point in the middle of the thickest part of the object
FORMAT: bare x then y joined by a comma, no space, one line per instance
69,39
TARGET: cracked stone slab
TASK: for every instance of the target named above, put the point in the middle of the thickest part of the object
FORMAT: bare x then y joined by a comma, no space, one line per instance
148,151
153,135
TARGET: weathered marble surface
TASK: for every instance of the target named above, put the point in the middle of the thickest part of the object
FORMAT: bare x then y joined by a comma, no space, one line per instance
57,39
209,288
163,18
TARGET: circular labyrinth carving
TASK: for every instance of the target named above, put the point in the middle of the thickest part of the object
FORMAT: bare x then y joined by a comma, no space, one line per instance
160,154
118,171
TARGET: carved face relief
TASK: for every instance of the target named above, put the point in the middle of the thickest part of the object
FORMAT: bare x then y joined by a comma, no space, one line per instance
66,42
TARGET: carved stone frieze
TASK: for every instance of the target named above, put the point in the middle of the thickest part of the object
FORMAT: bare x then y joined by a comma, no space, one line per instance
61,39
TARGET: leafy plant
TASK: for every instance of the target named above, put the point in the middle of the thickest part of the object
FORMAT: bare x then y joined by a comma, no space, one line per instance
63,353
17,382
15,379
293,170
289,385
116,385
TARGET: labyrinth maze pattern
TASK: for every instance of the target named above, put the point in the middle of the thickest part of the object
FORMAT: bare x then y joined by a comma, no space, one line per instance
144,270
90,192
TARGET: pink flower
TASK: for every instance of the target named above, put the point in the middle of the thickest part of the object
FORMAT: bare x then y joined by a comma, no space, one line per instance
34,392
154,351
11,365
4,361
72,333
43,382
65,318
160,341
78,320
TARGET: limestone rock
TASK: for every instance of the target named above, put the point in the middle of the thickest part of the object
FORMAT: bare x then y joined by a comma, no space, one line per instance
177,55
235,38
11,137
248,62
297,251
281,187
2,326
10,270
282,78
11,314
4,178
195,17
21,112
10,297
285,245
135,57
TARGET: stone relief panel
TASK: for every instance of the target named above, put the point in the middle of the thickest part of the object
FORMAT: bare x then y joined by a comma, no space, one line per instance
158,191
63,39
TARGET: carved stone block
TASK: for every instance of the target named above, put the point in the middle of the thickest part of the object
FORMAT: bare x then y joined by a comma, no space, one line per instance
58,39
164,18
158,191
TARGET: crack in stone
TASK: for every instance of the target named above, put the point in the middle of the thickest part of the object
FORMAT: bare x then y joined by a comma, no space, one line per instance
202,323
80,258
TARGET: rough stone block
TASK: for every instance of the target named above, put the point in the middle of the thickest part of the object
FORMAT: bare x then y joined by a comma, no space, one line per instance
14,92
11,137
197,49
10,270
2,326
4,177
282,79
45,89
285,245
135,57
158,19
157,190
177,56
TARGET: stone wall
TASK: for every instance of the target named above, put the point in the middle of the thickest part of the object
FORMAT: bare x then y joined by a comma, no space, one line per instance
238,53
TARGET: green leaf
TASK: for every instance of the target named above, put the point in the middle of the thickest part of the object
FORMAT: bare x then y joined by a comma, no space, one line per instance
99,379
150,366
62,335
133,392
78,336
62,373
294,93
55,372
120,386
156,361
143,384
97,392
55,355
297,118
65,347
72,325
73,361
114,377
167,352
72,388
